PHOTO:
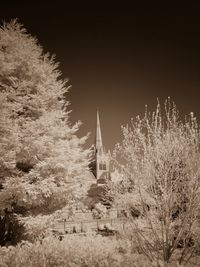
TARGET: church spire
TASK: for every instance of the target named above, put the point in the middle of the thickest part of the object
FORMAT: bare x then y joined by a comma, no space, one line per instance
101,158
99,144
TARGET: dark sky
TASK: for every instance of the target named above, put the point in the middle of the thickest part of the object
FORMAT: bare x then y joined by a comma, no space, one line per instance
118,58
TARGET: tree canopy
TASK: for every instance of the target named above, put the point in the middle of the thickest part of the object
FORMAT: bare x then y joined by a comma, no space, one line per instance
159,163
42,161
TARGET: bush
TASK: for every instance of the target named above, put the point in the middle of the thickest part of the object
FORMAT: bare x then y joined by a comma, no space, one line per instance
99,211
71,251
77,251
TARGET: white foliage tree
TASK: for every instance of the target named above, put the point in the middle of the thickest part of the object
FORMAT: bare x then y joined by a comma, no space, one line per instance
161,177
42,160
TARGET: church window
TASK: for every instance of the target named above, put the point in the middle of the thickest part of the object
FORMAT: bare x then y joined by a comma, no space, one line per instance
102,166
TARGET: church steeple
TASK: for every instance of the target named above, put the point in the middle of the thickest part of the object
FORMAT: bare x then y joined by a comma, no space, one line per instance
99,166
101,156
99,144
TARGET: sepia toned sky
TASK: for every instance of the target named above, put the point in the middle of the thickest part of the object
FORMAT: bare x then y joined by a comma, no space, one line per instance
118,58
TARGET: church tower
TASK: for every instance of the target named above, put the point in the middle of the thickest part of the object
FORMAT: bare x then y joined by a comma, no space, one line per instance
101,158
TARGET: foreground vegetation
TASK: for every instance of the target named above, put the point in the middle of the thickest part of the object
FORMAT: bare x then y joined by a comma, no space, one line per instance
79,251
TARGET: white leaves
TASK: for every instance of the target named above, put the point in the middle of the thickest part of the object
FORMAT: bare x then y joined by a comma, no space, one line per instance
39,146
160,153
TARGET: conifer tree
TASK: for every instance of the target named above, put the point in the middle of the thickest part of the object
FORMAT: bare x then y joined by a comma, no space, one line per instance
42,161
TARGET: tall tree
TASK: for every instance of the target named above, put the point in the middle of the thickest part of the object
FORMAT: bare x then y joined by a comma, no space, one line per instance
42,160
159,161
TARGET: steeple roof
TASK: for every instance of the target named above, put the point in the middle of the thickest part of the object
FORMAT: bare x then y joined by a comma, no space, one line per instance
99,144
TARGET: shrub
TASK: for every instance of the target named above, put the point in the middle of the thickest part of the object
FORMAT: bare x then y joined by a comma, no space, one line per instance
71,251
78,251
99,211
